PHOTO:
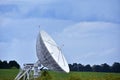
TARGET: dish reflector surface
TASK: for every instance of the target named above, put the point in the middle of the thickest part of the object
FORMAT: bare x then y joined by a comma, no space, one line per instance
49,54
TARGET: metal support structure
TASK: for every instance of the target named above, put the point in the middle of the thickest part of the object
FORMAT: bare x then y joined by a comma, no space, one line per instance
30,71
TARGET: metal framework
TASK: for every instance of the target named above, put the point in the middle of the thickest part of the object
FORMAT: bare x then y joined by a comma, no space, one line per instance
29,72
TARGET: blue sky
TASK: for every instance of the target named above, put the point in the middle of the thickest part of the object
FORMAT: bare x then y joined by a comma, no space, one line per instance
89,29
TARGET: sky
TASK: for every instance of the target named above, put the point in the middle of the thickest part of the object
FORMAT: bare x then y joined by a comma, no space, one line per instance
89,29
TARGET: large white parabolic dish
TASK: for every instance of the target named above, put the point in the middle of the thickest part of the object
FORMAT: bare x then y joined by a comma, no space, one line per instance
49,54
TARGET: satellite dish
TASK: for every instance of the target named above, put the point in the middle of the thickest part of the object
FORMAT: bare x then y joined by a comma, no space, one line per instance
49,54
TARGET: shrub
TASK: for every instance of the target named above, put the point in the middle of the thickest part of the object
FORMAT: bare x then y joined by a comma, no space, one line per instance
45,76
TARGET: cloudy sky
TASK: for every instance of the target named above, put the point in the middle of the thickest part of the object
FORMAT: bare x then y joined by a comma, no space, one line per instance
89,29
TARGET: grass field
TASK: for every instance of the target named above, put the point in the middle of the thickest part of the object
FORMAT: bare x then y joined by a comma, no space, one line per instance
9,74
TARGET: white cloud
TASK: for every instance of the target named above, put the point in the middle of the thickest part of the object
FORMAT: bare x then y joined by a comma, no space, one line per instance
88,29
101,53
72,10
19,50
18,37
83,42
86,41
80,39
26,1
26,6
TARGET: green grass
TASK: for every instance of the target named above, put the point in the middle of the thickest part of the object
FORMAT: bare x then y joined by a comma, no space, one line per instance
85,76
9,74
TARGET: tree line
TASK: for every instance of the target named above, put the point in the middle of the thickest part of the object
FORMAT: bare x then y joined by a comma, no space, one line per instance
9,65
96,68
73,67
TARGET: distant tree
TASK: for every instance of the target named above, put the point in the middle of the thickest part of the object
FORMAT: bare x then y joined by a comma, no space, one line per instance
97,68
5,65
105,67
75,67
87,68
116,67
81,67
1,66
11,64
71,67
14,64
